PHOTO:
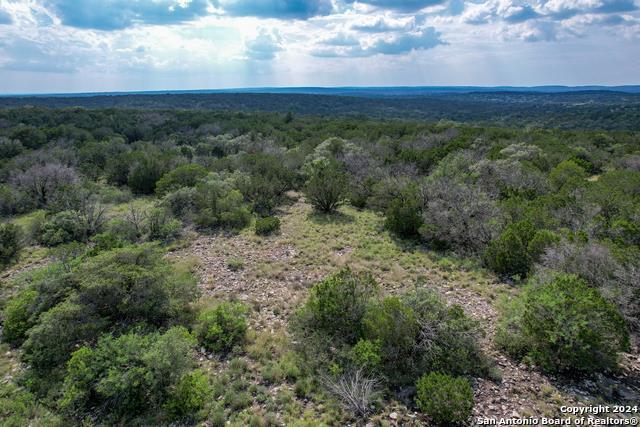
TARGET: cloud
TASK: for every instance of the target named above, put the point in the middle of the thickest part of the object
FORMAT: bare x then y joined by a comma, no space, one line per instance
397,44
26,55
400,5
265,46
281,9
5,18
118,14
381,25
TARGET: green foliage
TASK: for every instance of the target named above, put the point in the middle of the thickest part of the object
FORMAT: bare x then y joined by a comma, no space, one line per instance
367,354
222,327
395,325
509,254
20,408
105,242
128,375
564,326
144,174
189,395
326,186
338,303
267,225
10,243
235,264
217,205
18,317
445,399
59,228
183,176
566,176
517,248
161,226
111,292
404,216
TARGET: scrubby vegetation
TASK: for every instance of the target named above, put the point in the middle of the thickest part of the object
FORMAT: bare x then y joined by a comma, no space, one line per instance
107,324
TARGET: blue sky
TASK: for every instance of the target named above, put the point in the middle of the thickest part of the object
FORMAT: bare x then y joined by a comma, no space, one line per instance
113,45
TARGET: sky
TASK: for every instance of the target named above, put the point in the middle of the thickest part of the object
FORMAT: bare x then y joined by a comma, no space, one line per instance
61,46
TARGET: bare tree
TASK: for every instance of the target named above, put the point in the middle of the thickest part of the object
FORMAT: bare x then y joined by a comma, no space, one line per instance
40,182
356,391
458,215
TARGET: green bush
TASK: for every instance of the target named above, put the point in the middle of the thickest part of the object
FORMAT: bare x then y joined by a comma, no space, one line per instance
161,226
338,303
327,185
112,291
62,227
189,395
403,216
508,255
144,174
182,176
367,354
222,327
517,248
18,317
10,243
126,376
564,326
105,242
267,225
445,399
395,326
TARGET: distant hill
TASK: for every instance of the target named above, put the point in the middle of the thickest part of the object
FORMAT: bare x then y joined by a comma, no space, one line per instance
570,108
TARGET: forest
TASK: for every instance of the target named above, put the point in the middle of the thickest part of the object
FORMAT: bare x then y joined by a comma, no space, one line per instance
186,264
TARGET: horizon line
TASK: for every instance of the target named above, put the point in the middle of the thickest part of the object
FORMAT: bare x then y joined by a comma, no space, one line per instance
267,89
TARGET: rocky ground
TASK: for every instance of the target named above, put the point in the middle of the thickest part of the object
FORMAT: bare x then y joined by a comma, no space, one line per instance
275,277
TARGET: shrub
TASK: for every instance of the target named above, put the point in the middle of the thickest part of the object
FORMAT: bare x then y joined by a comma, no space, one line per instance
126,376
338,303
222,327
448,340
161,226
112,291
189,395
395,326
235,264
517,248
18,317
367,354
144,174
326,186
564,326
509,255
10,243
105,242
403,216
62,227
444,398
182,176
267,225
566,176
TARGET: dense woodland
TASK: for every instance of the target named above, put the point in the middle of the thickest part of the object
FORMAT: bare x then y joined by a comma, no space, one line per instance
102,326
608,110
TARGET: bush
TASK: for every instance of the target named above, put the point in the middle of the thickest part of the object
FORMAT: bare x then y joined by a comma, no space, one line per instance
326,186
10,243
18,317
182,176
105,242
444,398
126,376
267,225
189,396
395,326
517,248
112,291
338,303
403,216
62,227
220,328
564,326
367,354
509,255
161,226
